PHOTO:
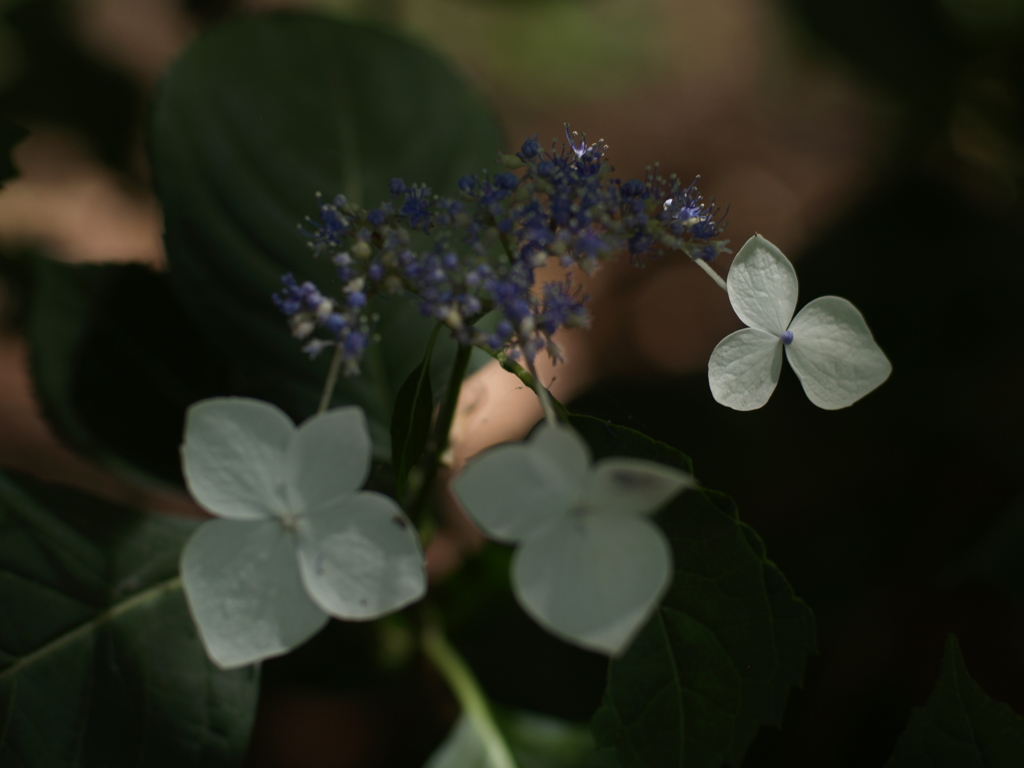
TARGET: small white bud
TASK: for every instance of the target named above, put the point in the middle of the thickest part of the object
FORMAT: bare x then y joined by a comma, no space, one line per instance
452,318
303,328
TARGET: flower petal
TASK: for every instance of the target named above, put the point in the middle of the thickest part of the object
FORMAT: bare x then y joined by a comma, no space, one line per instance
243,589
744,369
328,457
834,353
361,558
762,286
593,579
514,489
233,456
627,486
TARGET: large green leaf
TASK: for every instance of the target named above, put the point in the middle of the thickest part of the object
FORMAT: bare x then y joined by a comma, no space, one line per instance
115,363
100,664
959,726
727,643
255,118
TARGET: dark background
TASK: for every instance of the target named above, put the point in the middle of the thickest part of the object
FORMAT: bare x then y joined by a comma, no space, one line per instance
881,145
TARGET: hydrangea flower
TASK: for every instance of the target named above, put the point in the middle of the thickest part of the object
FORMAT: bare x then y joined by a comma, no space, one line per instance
296,541
828,344
590,566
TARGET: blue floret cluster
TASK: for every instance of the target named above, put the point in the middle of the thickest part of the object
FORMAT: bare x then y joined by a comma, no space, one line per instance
467,255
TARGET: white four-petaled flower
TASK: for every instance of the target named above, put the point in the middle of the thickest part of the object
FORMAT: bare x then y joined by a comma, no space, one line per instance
297,541
828,344
590,566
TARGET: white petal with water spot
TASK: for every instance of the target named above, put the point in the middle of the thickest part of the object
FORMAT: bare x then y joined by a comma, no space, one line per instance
243,588
628,486
360,558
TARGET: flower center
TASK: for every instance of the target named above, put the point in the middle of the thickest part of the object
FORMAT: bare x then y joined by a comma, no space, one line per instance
787,337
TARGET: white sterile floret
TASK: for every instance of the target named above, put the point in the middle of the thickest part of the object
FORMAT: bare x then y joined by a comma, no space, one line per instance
590,566
297,540
828,344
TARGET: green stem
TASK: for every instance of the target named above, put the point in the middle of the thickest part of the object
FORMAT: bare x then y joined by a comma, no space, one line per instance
467,690
714,275
332,379
506,243
529,380
439,441
546,400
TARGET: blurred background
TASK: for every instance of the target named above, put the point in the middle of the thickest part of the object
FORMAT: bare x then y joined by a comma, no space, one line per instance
879,144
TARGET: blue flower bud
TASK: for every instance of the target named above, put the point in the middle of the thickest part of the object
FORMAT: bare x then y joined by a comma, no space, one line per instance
506,180
354,344
397,186
633,188
335,323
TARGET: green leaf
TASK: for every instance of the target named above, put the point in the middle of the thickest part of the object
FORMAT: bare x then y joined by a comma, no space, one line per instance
115,363
728,641
10,135
410,422
536,741
959,726
256,117
99,661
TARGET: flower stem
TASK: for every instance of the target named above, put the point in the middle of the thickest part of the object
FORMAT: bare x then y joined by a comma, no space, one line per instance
510,365
714,275
439,440
543,394
467,690
332,379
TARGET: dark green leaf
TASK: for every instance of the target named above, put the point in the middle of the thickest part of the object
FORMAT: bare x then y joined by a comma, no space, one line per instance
115,362
729,640
410,422
255,118
99,661
10,135
959,726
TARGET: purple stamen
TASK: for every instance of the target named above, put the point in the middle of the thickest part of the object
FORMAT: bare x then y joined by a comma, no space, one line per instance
787,337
